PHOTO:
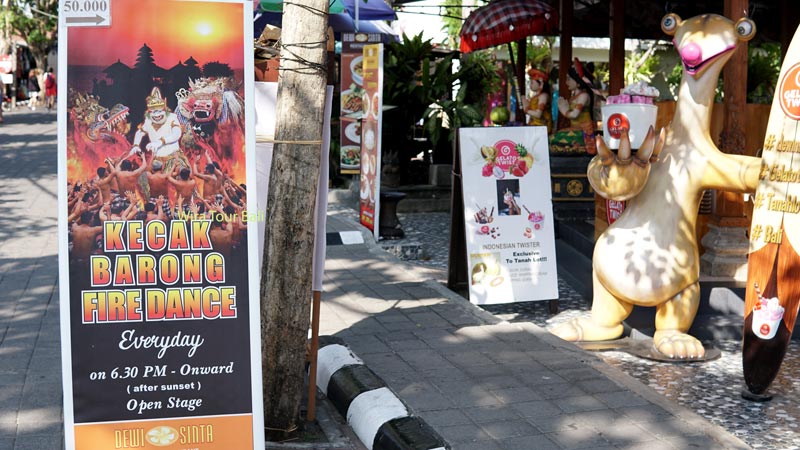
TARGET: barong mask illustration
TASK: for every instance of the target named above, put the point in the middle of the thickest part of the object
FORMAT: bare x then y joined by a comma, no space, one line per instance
212,113
97,131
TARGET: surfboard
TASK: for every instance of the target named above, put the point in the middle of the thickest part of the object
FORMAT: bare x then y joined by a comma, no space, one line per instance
773,291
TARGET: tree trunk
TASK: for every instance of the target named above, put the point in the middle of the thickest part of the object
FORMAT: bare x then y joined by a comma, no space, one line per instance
286,273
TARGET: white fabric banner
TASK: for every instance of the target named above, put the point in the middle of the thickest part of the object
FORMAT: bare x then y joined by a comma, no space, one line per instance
266,106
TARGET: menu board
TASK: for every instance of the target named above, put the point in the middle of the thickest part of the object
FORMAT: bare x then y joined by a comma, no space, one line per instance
372,104
351,95
157,251
508,214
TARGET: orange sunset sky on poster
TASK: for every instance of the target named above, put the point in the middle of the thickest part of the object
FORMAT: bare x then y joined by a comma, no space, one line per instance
173,29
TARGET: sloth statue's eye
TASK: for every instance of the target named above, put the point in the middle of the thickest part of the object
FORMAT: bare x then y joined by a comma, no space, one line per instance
745,28
670,23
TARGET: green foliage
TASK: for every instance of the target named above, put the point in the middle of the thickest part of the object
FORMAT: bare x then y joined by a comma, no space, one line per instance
763,68
539,56
450,24
422,87
478,70
674,78
36,22
602,73
408,81
451,115
415,79
641,66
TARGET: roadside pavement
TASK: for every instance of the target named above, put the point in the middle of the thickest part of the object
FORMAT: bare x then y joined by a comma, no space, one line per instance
477,381
30,349
483,383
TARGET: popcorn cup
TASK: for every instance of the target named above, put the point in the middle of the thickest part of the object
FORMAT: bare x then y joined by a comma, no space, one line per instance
636,118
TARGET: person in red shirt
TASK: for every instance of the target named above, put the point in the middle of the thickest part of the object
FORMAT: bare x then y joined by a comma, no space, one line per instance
50,89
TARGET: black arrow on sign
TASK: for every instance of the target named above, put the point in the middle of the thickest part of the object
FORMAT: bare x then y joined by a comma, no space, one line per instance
97,19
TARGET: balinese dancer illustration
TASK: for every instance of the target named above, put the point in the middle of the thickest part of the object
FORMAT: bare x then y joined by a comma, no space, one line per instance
163,131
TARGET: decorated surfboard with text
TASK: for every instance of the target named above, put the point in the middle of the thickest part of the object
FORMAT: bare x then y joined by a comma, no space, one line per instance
773,293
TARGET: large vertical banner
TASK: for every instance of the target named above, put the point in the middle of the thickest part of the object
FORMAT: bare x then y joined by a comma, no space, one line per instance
157,250
508,214
773,292
351,95
372,107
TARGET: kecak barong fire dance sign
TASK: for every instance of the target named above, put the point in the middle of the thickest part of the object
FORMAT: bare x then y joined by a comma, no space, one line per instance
157,249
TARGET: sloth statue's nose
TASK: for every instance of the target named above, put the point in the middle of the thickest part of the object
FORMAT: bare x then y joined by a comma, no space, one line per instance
691,54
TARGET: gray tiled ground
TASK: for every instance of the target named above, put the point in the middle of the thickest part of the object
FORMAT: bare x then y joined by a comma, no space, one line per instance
484,384
31,399
710,389
432,348
30,352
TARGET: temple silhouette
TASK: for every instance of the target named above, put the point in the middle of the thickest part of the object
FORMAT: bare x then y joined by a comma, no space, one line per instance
130,85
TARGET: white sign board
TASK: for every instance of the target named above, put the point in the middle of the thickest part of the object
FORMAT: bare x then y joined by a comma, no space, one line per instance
266,107
86,13
508,214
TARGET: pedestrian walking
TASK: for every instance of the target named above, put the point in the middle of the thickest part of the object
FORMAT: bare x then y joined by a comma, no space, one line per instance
33,89
50,89
2,100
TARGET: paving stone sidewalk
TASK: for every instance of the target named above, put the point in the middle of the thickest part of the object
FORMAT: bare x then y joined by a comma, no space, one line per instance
481,383
487,384
30,349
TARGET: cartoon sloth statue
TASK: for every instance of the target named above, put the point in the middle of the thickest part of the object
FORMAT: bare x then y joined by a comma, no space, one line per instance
649,256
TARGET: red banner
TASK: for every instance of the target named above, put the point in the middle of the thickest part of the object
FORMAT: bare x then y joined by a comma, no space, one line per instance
351,95
372,109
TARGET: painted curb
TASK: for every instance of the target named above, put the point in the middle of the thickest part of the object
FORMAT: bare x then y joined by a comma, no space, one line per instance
344,238
377,416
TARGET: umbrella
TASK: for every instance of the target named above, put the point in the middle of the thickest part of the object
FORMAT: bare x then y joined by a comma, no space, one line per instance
335,6
341,23
358,9
506,21
369,10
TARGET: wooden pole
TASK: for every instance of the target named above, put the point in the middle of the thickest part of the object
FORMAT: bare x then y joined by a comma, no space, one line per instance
724,233
522,45
616,57
565,48
457,278
790,17
729,209
311,415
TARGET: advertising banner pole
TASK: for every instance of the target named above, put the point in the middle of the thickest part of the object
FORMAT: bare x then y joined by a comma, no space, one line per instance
158,263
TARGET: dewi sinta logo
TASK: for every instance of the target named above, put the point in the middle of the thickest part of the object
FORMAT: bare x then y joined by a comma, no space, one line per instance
789,92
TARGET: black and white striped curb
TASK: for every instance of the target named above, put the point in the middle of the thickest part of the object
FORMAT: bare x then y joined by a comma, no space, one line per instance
379,419
344,238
